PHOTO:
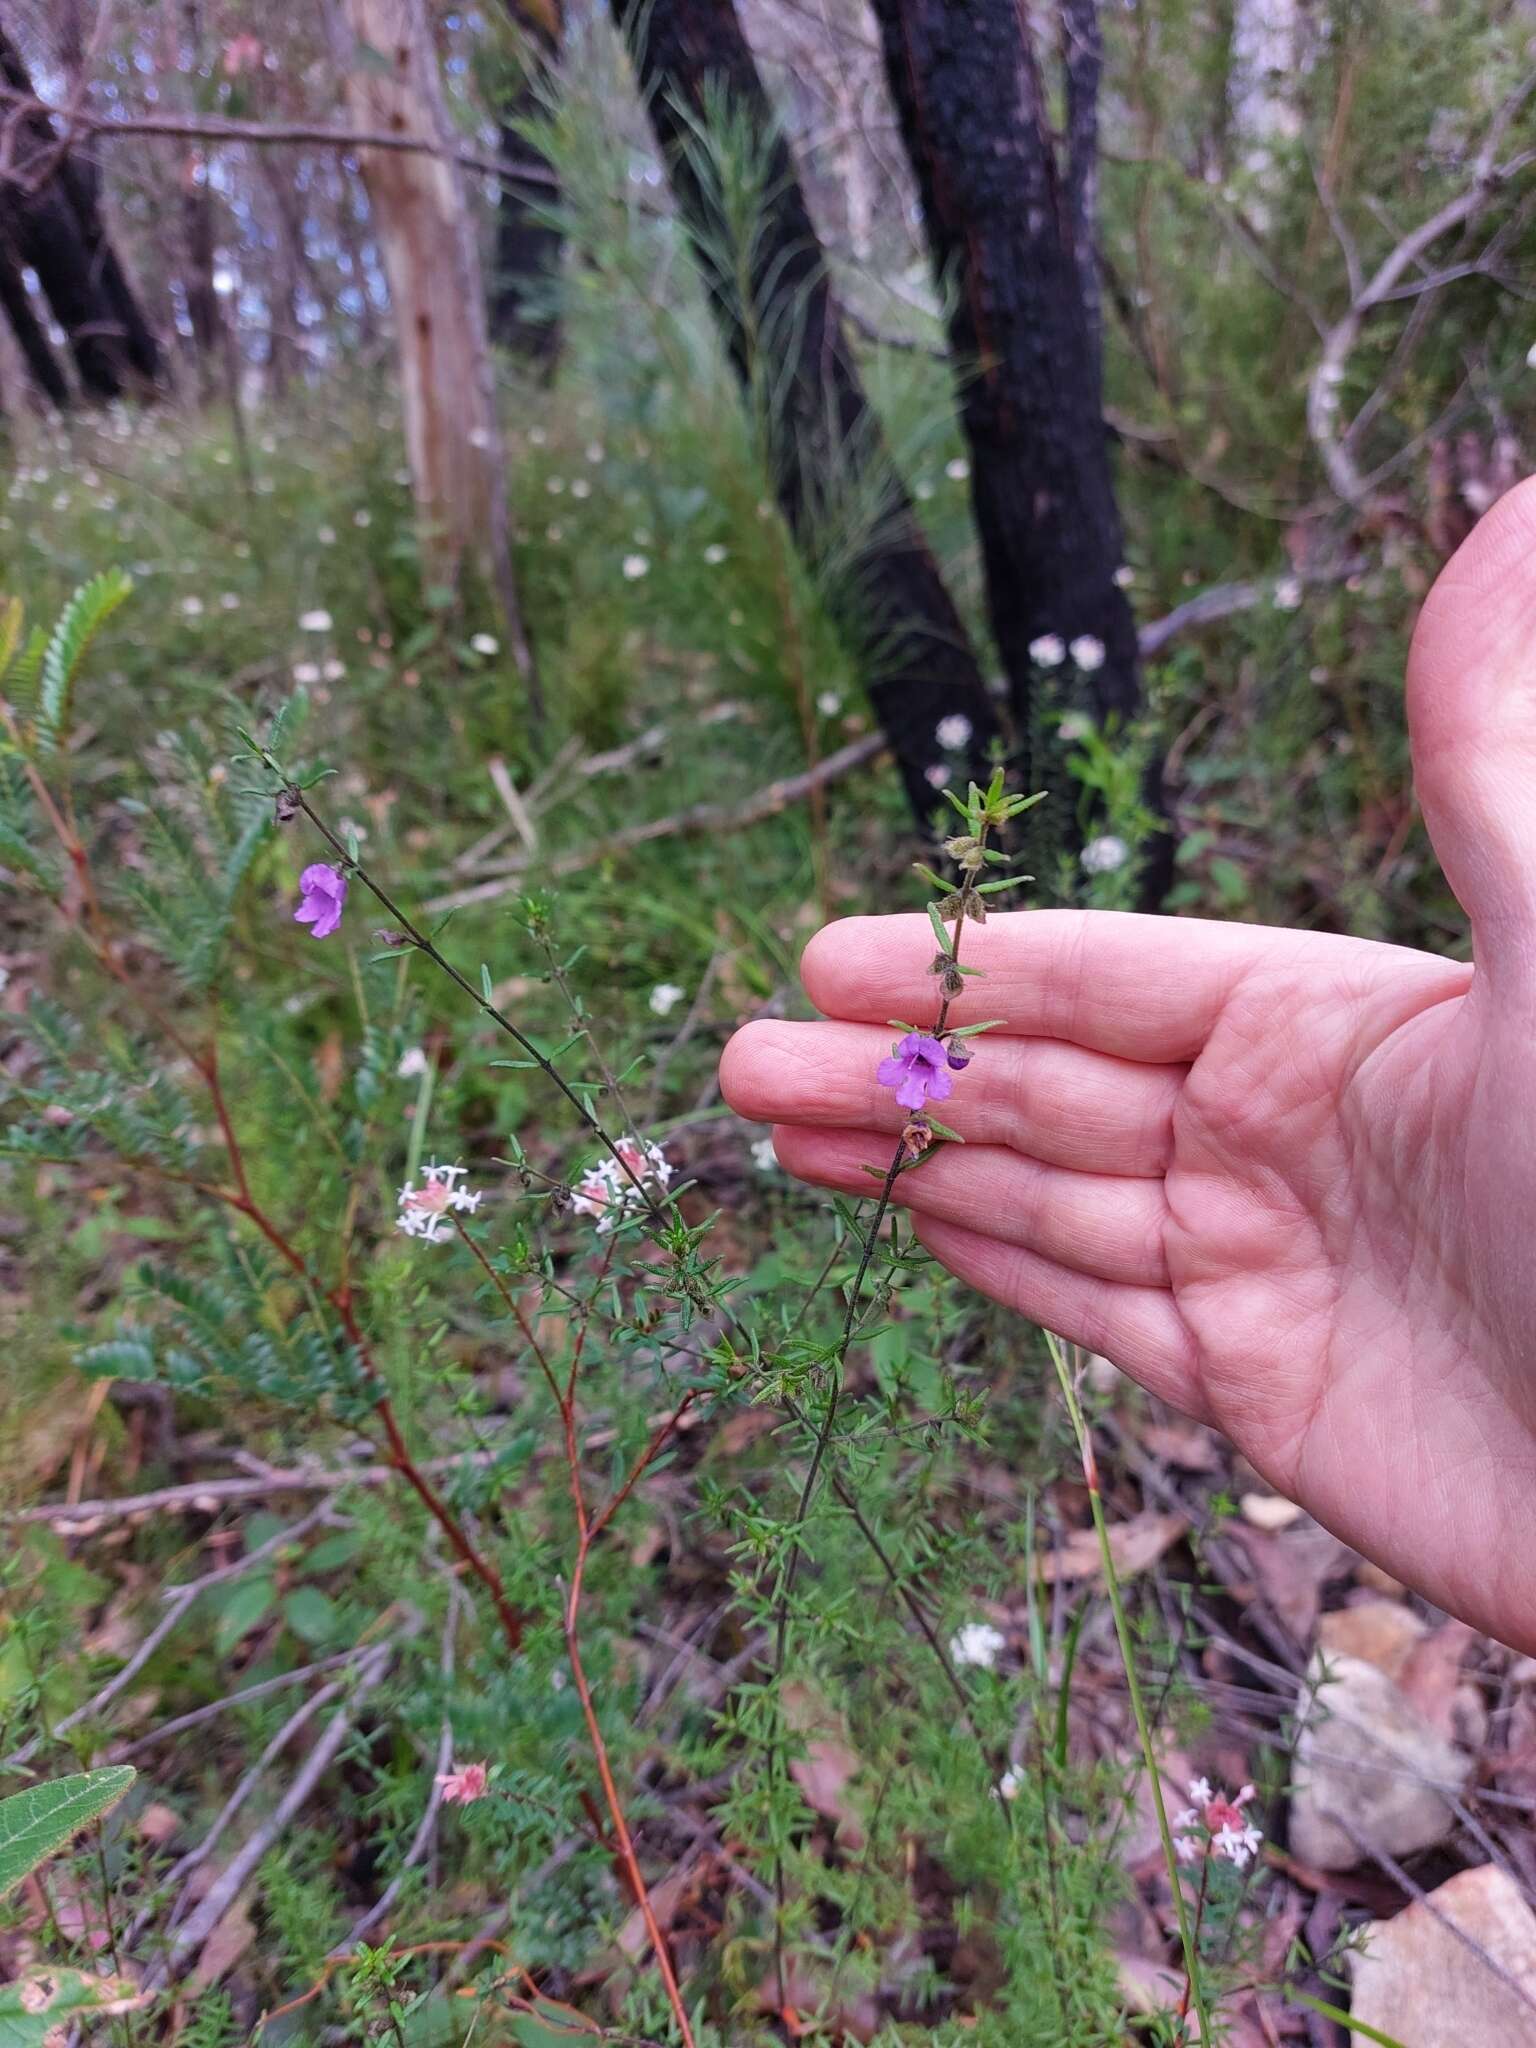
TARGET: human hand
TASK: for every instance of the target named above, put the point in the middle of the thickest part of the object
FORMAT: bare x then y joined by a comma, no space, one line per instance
1285,1180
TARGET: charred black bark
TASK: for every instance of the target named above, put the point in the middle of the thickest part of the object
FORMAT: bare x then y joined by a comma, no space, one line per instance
528,245
823,441
1009,231
42,363
54,220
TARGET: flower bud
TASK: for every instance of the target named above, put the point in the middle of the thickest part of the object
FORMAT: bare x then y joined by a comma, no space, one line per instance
286,807
386,935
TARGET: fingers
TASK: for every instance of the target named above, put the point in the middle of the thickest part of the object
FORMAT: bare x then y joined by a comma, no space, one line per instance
1472,716
1056,1103
1144,988
1098,1224
1138,1328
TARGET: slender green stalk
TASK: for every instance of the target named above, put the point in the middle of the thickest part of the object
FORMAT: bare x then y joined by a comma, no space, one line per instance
1133,1684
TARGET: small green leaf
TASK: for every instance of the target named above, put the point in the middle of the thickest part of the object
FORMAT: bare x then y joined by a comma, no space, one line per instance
247,1605
311,1614
38,1822
486,989
970,1030
944,1131
928,875
996,888
945,943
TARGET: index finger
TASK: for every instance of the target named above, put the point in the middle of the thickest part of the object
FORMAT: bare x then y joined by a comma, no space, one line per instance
1146,988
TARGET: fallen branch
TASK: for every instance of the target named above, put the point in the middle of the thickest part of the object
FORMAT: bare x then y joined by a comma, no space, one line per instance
203,1496
712,817
242,1866
78,120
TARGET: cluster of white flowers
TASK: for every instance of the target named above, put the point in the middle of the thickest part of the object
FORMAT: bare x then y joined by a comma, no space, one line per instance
485,643
314,622
1226,1830
608,1192
635,566
1287,594
953,732
958,470
977,1643
1049,651
1103,855
715,554
665,997
424,1209
1087,652
764,1158
829,703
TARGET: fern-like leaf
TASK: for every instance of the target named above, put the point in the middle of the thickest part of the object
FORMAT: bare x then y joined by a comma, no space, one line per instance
79,623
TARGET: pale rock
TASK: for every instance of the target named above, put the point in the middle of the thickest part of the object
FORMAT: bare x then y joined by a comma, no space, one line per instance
1367,1754
1418,1983
1379,1632
1268,1510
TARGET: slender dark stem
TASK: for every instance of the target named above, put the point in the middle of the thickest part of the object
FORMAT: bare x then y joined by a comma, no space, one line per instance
419,939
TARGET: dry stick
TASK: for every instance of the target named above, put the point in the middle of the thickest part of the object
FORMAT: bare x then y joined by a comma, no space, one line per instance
427,1826
219,128
232,1880
709,817
125,1752
110,1691
201,1496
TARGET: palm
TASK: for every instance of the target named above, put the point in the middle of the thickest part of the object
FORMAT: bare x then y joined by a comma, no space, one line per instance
1336,1191
1283,1179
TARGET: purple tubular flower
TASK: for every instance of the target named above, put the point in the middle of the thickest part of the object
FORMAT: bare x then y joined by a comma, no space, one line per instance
917,1070
322,898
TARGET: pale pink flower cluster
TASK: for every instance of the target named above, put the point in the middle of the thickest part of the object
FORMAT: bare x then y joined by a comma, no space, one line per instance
608,1192
424,1209
1225,1829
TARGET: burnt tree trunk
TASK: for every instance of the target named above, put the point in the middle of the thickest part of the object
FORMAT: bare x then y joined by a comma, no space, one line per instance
1009,227
823,441
528,245
57,228
37,352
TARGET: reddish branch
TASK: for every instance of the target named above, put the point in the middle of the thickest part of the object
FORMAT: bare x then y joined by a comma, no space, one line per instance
589,1526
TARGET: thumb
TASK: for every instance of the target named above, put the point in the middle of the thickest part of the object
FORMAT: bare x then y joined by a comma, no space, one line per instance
1472,719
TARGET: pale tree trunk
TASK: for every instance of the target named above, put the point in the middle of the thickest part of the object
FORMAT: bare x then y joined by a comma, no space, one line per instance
425,231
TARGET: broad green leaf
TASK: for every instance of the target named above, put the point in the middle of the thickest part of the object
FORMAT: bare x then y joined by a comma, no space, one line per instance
38,1822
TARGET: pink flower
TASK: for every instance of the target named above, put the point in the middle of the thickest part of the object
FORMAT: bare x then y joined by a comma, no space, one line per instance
918,1070
322,898
1228,1831
462,1787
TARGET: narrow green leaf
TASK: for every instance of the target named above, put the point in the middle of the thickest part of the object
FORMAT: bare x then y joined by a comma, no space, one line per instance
943,1130
996,888
485,983
38,1822
1344,2019
945,944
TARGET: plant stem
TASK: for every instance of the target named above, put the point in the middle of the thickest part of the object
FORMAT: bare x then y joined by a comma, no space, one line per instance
1196,1987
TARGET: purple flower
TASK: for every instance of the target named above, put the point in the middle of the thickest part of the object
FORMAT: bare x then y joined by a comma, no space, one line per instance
322,898
918,1070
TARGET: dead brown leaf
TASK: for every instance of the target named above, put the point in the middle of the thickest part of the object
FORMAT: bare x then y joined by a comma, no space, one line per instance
223,1949
829,1765
1134,1545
